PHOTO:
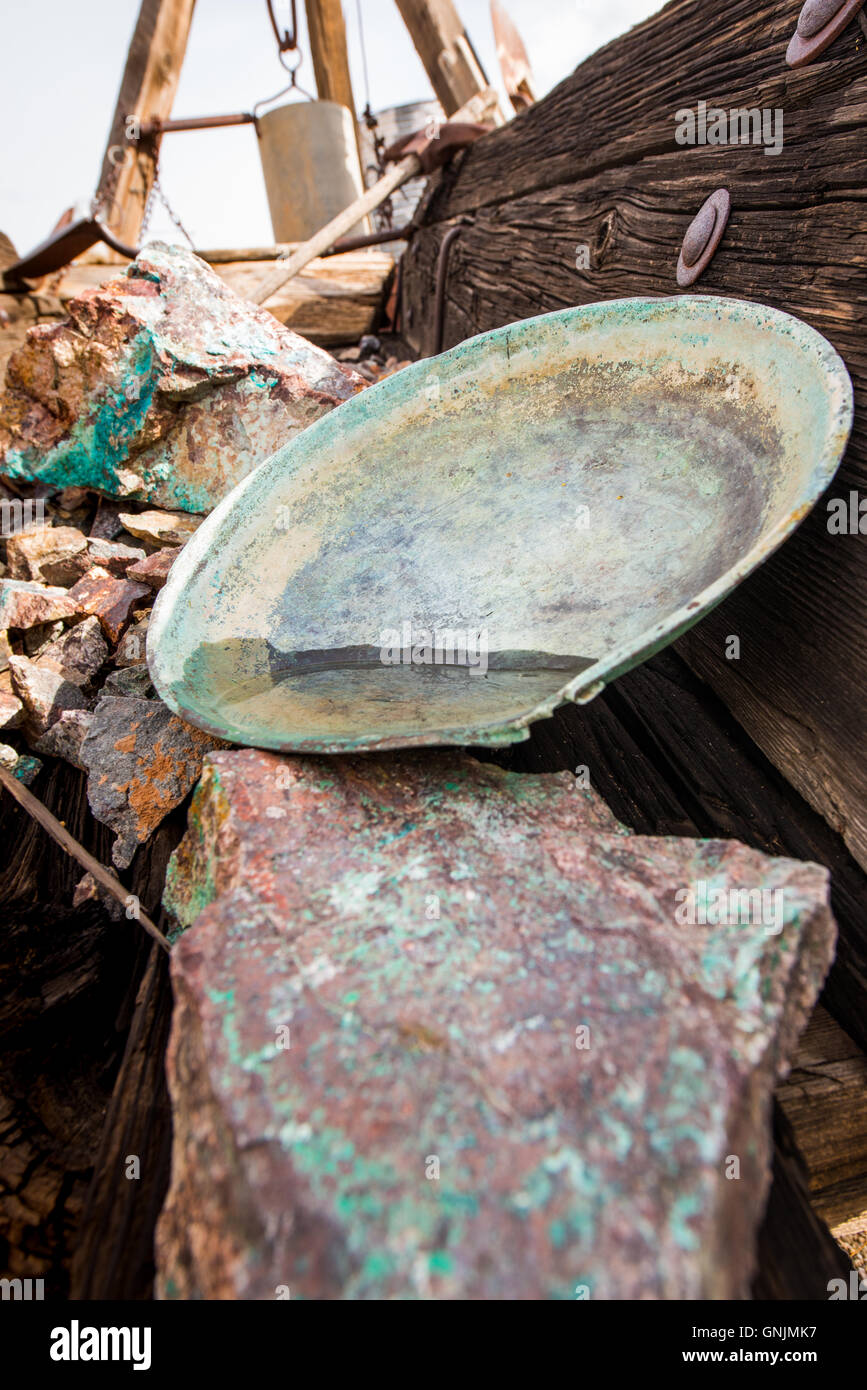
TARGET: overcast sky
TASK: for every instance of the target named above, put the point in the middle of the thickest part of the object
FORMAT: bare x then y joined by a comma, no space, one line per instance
63,63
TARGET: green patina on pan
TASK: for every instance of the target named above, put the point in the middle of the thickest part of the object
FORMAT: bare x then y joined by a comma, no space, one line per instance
580,488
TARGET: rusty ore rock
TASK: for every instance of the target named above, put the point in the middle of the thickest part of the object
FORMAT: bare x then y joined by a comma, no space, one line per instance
162,385
141,761
440,1034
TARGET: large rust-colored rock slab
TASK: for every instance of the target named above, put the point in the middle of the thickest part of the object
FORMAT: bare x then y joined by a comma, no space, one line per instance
162,385
440,1034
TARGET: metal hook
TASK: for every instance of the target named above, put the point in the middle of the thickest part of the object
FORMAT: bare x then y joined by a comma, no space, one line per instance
289,39
294,84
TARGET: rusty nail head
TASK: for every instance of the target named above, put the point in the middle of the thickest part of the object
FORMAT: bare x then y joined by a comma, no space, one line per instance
703,236
819,23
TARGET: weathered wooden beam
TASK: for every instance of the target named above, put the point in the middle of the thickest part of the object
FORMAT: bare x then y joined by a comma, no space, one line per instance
326,31
824,1099
147,92
596,167
797,1255
445,50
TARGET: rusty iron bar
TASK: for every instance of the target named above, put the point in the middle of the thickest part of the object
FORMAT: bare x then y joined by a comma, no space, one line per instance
149,129
441,278
357,243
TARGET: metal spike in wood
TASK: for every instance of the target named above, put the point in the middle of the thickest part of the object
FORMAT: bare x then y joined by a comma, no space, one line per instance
41,814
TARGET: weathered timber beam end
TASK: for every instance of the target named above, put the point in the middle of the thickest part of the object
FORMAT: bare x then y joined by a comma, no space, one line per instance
587,197
446,52
327,36
147,93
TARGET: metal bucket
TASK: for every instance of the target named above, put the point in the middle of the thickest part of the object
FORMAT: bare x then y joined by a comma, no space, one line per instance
310,162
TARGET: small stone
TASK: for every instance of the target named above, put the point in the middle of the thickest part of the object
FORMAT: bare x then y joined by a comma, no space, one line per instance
133,645
107,524
49,554
141,761
130,680
8,756
5,651
71,498
85,890
37,638
21,765
350,354
11,710
113,556
369,344
154,570
88,890
81,652
161,528
26,604
66,735
44,692
699,234
111,600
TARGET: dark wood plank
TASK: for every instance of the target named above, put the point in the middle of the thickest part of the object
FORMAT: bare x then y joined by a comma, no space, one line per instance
84,1018
114,1251
797,1255
825,1101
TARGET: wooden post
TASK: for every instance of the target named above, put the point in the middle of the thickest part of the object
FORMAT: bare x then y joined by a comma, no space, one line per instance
445,51
326,31
147,92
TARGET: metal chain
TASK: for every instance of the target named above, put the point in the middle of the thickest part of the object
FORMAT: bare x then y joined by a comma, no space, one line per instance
384,215
157,191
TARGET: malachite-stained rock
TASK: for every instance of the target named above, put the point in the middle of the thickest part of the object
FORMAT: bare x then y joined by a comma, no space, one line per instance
162,385
440,1034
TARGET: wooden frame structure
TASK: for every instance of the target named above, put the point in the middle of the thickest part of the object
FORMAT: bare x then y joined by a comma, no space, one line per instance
153,68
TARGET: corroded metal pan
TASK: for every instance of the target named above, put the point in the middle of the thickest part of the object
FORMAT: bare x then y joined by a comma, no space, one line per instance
453,553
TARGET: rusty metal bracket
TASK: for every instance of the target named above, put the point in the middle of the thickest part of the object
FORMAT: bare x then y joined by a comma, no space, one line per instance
819,24
703,236
62,247
435,150
448,240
